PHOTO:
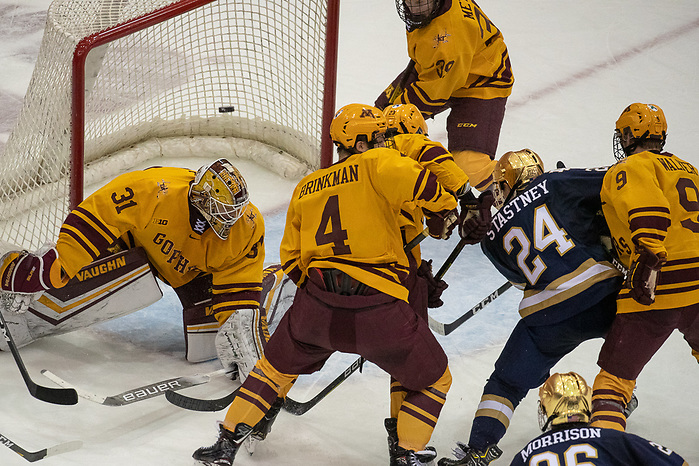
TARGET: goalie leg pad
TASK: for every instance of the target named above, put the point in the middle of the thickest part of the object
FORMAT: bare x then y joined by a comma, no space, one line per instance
200,333
241,339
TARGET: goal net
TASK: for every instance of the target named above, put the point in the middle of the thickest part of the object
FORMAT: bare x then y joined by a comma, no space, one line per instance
117,81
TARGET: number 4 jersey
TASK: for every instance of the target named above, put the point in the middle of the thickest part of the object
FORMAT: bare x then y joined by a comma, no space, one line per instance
652,199
346,217
547,241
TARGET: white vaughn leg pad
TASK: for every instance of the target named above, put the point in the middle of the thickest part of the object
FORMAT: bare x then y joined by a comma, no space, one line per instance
240,341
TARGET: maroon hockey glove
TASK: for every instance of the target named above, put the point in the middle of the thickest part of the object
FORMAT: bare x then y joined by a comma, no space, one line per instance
441,224
391,94
475,217
435,287
23,272
643,276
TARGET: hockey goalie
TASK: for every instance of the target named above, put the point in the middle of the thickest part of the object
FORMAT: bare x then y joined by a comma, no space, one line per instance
195,231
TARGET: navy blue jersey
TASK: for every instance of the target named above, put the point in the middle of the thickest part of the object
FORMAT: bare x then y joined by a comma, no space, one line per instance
547,242
594,446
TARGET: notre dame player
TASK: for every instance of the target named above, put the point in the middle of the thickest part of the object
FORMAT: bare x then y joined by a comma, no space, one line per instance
564,414
201,235
342,246
650,200
546,239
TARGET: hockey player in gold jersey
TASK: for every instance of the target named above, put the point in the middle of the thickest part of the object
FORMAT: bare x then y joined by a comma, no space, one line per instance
201,235
458,61
650,200
342,246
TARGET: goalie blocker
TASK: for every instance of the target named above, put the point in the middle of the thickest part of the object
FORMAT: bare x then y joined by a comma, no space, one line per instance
105,289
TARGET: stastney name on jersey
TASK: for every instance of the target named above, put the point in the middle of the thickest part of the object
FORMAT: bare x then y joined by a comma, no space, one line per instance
343,174
517,204
580,433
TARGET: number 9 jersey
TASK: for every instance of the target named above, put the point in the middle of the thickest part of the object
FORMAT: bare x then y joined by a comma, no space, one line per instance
652,199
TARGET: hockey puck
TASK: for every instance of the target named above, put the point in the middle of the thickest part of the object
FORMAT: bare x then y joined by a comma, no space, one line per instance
226,109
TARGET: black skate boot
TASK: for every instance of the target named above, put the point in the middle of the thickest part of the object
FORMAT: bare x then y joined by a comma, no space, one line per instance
223,451
469,456
264,427
425,456
403,457
391,425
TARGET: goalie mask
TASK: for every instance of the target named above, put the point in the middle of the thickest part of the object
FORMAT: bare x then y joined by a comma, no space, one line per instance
564,399
638,122
219,192
404,119
513,173
418,13
357,122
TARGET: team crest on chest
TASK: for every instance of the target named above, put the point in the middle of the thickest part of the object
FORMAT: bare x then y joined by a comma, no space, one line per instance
162,188
441,39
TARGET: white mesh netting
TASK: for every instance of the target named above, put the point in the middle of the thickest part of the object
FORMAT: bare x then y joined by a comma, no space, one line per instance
264,58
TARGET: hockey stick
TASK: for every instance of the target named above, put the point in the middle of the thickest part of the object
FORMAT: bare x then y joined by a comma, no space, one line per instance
141,393
446,329
297,408
59,396
199,404
33,456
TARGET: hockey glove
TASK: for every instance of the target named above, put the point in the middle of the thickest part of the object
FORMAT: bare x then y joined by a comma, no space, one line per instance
643,276
435,287
240,341
392,93
475,217
441,224
23,272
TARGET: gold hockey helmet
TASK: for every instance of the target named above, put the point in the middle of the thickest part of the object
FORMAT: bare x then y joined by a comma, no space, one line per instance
564,399
513,173
219,192
405,119
357,122
636,123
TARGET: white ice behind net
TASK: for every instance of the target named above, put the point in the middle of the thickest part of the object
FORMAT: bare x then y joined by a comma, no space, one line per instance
160,89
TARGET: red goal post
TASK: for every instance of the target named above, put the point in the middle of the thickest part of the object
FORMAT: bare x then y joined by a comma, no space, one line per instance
121,81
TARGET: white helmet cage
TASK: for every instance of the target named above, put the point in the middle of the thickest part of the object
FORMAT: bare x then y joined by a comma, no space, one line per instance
220,193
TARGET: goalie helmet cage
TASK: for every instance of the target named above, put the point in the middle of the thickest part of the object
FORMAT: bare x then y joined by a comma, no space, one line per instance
248,78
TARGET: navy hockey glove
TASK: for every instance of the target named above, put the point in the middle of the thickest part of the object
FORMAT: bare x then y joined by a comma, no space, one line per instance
435,287
643,276
475,217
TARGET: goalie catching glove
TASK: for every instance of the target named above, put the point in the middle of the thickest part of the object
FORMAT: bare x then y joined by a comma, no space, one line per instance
475,217
643,276
240,341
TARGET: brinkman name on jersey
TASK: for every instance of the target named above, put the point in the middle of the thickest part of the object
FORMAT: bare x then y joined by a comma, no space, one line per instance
515,205
344,174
